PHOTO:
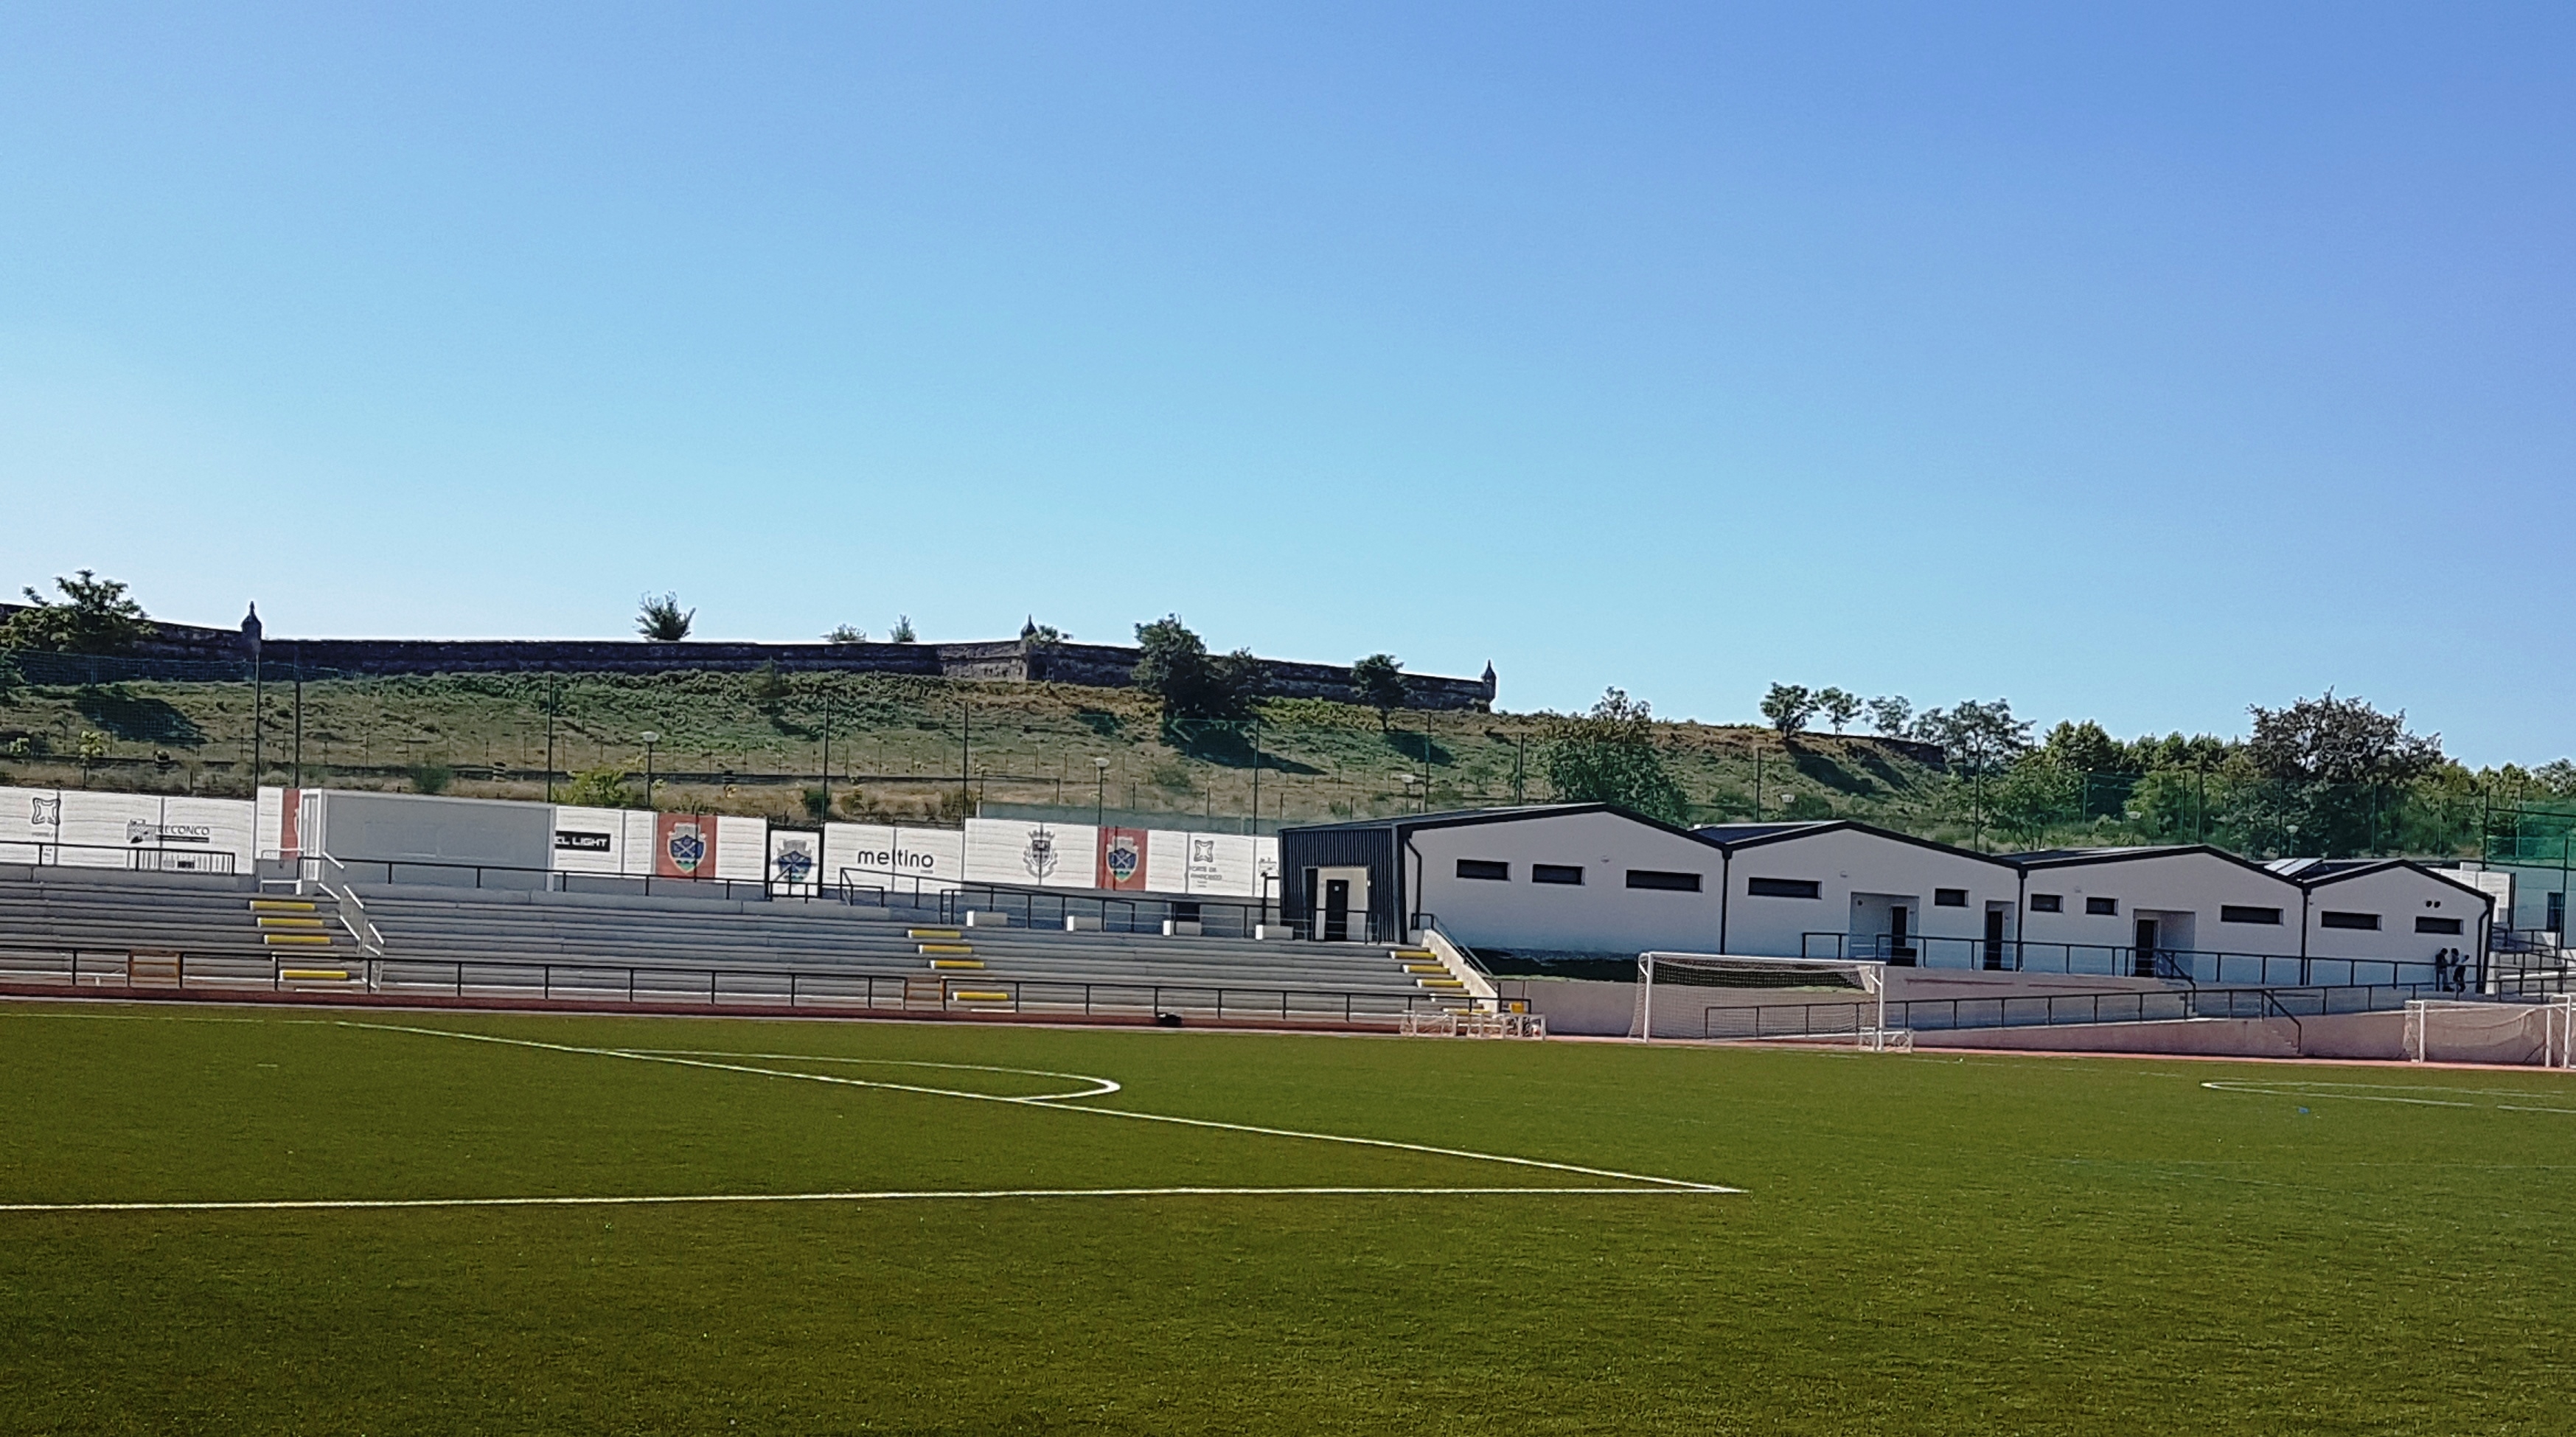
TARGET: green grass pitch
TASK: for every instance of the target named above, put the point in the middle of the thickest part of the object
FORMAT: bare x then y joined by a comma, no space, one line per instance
1920,1244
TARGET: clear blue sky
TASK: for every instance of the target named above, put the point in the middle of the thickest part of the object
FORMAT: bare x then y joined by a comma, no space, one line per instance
2132,365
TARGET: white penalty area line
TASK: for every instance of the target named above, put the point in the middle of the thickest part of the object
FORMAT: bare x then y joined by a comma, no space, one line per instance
2341,1093
1057,1102
654,1200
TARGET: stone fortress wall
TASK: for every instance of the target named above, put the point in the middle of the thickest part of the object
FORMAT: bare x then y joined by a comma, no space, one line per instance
1008,660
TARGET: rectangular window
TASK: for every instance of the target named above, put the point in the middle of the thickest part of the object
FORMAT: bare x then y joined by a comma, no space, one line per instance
1949,898
2331,919
1658,878
1485,868
2438,925
2245,913
1784,888
2046,903
1565,873
2102,907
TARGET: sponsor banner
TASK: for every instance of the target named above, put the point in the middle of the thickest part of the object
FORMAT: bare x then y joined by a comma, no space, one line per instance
126,830
29,818
1040,855
795,860
1124,860
899,860
684,845
1222,863
588,840
742,852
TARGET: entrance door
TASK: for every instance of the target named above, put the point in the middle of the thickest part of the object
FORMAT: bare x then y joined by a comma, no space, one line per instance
1900,944
1994,938
2145,966
1337,904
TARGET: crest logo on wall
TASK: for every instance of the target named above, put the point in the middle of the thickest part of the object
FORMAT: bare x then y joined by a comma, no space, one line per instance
46,813
1122,857
1038,856
686,847
1203,850
795,861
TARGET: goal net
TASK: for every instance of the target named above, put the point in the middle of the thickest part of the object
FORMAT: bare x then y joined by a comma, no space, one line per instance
1477,1023
2454,1031
1722,995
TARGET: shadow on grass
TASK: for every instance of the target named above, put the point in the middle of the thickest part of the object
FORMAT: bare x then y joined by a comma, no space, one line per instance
121,714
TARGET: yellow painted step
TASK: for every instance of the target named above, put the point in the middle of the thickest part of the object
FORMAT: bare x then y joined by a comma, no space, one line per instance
335,975
1439,983
937,963
297,940
931,949
1424,968
970,995
1411,954
934,933
267,921
281,905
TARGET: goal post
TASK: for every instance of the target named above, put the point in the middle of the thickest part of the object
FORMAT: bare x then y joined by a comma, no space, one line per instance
2452,1030
1728,995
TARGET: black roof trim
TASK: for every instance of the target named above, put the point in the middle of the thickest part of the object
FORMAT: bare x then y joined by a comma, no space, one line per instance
2385,864
1468,817
1782,833
2080,857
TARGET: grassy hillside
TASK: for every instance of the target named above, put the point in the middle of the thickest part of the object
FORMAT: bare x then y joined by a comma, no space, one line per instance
739,743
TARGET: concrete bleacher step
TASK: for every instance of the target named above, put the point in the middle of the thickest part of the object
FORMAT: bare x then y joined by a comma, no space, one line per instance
942,964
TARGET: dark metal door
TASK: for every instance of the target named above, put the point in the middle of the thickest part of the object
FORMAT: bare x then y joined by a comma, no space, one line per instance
2145,966
1337,910
1994,938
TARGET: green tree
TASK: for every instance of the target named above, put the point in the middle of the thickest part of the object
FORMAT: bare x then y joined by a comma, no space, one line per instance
902,632
2035,793
845,634
1838,707
1788,707
1380,681
1610,756
92,751
601,787
2330,772
1891,714
1978,739
1177,668
94,617
661,620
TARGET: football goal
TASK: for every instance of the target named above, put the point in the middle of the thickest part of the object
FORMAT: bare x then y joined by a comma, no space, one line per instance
2442,1030
1724,995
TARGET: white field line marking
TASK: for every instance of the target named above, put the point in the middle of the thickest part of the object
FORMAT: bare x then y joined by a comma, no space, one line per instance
1677,1184
2320,1094
348,1204
1102,1088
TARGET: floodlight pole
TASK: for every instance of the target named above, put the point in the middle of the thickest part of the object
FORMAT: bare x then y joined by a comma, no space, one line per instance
298,652
554,701
1099,791
650,738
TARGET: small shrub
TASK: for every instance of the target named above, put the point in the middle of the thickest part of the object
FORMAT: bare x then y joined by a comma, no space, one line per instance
601,787
431,777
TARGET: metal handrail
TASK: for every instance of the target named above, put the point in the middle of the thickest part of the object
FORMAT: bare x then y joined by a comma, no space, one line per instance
229,861
2196,966
554,982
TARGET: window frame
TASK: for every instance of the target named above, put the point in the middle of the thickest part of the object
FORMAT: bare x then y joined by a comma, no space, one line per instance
2101,907
1680,881
1949,898
2440,926
1559,875
1486,870
2243,913
2352,922
1804,888
2048,903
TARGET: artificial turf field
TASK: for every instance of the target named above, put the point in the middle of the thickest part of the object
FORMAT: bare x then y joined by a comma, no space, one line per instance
1926,1243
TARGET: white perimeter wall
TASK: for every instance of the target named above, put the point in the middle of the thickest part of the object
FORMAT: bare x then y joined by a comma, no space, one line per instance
1845,862
2199,884
1603,915
101,830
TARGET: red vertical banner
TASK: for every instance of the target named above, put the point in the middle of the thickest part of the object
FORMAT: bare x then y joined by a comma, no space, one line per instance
1122,858
684,845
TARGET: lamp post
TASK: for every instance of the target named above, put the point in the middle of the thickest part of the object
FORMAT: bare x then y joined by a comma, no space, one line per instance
650,738
1099,791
